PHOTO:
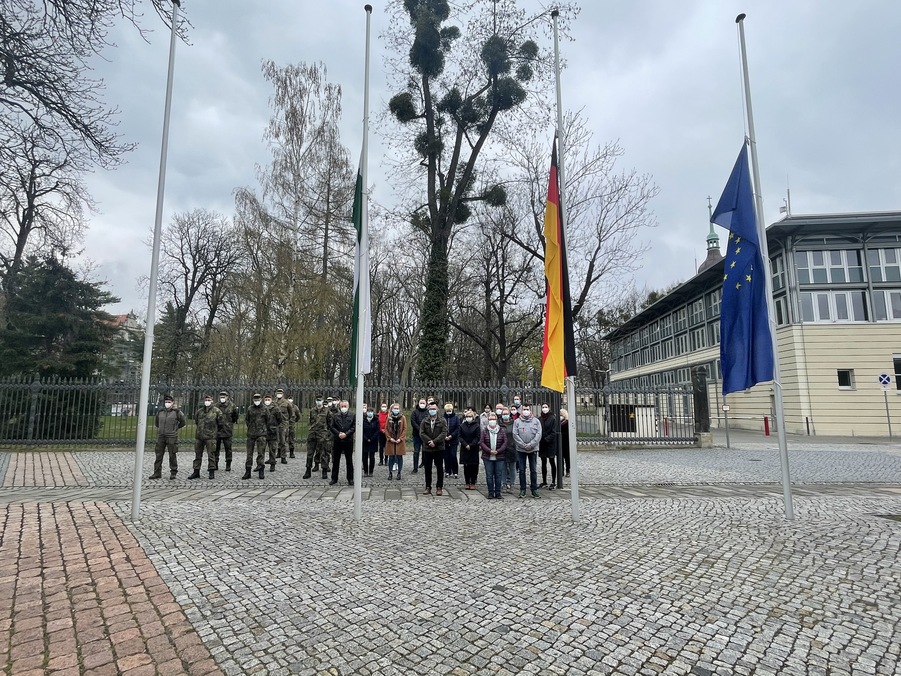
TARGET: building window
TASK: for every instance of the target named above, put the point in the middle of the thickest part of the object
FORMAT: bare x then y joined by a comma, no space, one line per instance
681,344
698,339
696,312
667,348
845,379
779,304
777,266
666,326
896,359
714,330
886,305
838,266
884,265
833,306
714,301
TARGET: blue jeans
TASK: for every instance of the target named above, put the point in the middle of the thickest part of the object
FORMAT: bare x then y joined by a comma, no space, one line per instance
533,475
494,475
510,467
417,445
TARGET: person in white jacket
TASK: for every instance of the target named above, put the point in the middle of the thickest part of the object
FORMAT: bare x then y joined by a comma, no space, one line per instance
527,437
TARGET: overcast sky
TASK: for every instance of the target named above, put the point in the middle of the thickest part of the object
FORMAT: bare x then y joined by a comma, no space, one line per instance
662,77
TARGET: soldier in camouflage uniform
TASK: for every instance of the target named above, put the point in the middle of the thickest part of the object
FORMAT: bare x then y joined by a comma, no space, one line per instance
292,427
257,420
319,438
226,429
206,420
286,409
275,422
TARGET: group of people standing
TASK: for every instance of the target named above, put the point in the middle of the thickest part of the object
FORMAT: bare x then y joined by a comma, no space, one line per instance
507,440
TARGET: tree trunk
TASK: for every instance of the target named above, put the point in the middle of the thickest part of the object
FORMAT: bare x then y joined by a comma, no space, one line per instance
433,318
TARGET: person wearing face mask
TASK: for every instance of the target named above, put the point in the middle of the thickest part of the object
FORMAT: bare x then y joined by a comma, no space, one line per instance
286,410
168,421
510,462
470,435
383,417
319,439
256,417
292,426
493,445
451,442
564,438
206,424
371,434
395,433
272,432
516,407
483,418
419,414
226,430
343,426
527,437
547,450
433,432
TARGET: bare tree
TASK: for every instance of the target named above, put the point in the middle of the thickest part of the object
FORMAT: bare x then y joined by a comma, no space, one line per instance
198,253
43,199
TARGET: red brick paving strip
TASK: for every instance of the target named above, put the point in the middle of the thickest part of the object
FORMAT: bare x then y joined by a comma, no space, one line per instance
79,596
54,468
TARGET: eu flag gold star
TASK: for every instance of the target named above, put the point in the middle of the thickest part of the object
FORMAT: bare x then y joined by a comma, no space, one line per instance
737,250
737,285
748,277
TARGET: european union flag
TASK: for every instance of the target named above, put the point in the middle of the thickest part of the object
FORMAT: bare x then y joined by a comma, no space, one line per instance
746,348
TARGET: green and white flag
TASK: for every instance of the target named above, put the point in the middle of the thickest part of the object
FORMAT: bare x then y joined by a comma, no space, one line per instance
361,336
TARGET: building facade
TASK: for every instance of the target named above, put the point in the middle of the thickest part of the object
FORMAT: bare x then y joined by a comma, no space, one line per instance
837,300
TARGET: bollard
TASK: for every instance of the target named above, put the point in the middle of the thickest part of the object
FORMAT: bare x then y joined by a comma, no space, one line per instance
766,425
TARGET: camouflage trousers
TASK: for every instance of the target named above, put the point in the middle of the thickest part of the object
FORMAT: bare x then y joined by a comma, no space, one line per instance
257,444
283,441
272,445
201,445
319,452
292,437
226,443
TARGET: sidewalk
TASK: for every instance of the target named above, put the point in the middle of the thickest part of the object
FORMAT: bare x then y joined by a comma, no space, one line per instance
682,563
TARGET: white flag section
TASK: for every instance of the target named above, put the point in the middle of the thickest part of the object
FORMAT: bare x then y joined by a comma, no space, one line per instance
361,337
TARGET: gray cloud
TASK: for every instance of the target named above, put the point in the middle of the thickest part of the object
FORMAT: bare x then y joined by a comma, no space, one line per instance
662,77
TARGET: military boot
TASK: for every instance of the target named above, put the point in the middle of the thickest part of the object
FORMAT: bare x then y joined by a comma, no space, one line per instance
261,473
325,474
195,474
291,454
228,465
316,467
308,473
212,474
155,475
246,473
173,474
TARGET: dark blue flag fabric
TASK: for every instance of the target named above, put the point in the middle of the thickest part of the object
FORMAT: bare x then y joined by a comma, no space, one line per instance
746,349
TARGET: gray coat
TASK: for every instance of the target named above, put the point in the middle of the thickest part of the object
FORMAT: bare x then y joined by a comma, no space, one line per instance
527,434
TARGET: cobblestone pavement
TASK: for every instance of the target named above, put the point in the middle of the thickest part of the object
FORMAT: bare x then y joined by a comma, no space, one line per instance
52,468
830,463
78,595
638,587
682,563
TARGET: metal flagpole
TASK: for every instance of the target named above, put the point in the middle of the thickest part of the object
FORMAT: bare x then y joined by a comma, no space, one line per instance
364,285
570,380
144,394
764,252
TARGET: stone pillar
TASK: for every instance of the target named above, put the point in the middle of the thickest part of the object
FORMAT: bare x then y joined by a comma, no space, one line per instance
701,405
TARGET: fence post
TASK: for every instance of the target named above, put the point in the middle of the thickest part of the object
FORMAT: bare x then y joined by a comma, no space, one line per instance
35,388
701,405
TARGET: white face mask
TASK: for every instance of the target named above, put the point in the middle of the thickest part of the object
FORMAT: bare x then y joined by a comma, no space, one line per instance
545,409
207,403
469,418
384,408
492,423
168,404
268,402
498,411
422,405
222,400
319,402
290,400
344,409
279,395
526,413
256,402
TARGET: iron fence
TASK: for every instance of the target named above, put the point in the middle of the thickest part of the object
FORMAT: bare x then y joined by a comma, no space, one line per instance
104,413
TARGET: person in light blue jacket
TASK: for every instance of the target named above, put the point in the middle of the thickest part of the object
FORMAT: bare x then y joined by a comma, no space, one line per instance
527,438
